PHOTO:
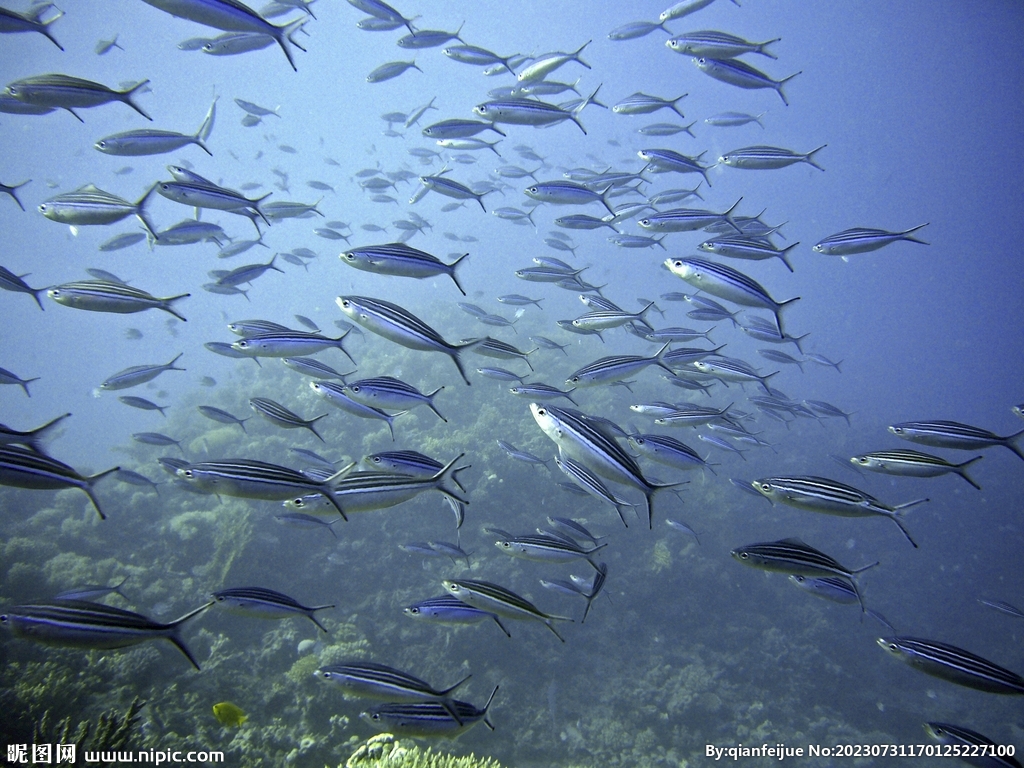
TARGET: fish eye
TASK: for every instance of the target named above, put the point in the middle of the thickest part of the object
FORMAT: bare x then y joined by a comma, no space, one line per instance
187,472
893,647
356,388
645,222
376,459
101,144
896,430
639,440
541,412
42,208
413,611
701,60
3,619
243,344
219,598
765,487
744,555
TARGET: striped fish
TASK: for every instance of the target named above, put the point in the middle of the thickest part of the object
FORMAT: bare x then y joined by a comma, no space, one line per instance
838,589
265,604
952,434
501,350
448,609
547,549
973,748
541,391
369,680
106,296
1003,607
13,22
249,328
391,393
763,158
70,93
907,463
336,395
453,189
527,112
428,719
404,462
718,45
604,319
581,438
616,368
750,248
794,557
367,491
668,451
234,16
727,283
504,602
25,468
687,219
313,368
863,239
90,205
401,260
740,74
216,414
732,370
402,327
670,160
275,412
84,624
288,344
138,374
250,479
642,104
953,664
819,494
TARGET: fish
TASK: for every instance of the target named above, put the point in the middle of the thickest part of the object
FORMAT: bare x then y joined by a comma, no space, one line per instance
14,283
642,104
14,22
448,609
1002,607
973,748
233,16
402,327
92,591
742,75
103,296
288,344
767,158
669,451
501,601
22,467
402,260
793,557
953,664
369,680
717,45
138,374
459,129
142,404
450,188
664,160
234,43
584,440
84,624
909,463
216,414
89,205
953,434
312,367
71,93
819,494
276,413
530,112
265,604
687,219
229,715
250,479
544,65
390,71
378,9
157,439
429,718
337,396
616,368
154,142
727,283
636,29
838,589
750,248
387,392
547,549
734,119
863,240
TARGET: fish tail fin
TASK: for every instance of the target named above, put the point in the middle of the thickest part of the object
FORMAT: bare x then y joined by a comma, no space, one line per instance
170,365
778,312
961,469
25,382
39,434
578,51
783,81
173,636
904,233
206,128
166,306
446,473
595,589
451,688
126,97
312,429
45,25
283,35
90,481
430,402
782,255
140,212
812,153
864,567
490,698
675,108
1011,443
763,48
728,217
10,191
454,353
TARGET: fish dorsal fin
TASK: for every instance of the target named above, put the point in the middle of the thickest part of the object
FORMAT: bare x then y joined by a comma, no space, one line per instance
794,540
90,188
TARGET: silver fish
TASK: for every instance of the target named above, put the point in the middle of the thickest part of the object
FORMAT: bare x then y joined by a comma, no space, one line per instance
25,468
71,93
266,604
138,374
104,296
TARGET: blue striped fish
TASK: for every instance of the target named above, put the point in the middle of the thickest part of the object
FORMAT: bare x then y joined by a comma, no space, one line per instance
973,748
266,604
862,240
276,413
740,74
953,434
84,624
448,609
401,260
70,93
402,327
106,296
428,719
504,602
953,664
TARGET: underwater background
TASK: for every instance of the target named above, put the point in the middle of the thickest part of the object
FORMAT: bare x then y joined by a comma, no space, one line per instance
919,106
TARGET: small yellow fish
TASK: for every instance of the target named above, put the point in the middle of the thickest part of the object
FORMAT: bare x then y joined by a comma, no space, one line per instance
229,715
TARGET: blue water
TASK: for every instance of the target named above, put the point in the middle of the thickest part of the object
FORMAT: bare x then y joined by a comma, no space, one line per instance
919,106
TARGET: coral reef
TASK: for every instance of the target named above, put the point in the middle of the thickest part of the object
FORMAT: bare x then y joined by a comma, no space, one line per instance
385,751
